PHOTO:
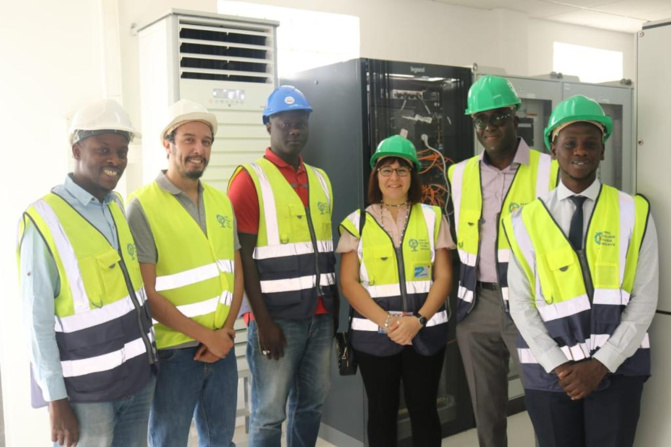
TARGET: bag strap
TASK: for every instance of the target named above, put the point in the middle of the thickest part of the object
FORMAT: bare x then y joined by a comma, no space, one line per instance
362,222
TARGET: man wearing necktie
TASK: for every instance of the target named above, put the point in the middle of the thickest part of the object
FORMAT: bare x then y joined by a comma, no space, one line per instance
583,291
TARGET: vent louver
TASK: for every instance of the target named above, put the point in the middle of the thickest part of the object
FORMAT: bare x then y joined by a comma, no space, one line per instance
225,51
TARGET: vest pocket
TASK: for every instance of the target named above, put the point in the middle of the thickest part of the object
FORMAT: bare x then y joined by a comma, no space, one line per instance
469,231
101,276
606,275
561,265
110,274
380,264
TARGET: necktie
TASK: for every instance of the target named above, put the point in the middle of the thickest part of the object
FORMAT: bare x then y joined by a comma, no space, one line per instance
575,231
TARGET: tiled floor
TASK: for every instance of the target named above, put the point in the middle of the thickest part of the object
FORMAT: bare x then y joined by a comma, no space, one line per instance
520,434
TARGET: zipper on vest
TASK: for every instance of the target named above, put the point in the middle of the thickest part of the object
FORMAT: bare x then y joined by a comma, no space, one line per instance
586,274
496,252
401,276
126,276
318,287
401,264
143,333
496,241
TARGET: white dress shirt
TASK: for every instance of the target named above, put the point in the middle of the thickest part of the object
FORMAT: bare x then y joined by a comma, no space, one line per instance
636,317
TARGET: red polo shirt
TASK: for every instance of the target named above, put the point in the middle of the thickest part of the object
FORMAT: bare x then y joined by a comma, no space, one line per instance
242,194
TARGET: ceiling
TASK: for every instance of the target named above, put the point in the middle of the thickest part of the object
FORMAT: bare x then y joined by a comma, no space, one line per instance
616,15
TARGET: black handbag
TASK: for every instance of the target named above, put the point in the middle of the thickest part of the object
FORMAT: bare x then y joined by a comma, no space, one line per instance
347,364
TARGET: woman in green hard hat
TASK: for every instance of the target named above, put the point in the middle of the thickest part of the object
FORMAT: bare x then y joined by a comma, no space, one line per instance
395,273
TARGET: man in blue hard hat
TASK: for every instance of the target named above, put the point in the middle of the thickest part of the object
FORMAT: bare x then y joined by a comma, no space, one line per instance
289,265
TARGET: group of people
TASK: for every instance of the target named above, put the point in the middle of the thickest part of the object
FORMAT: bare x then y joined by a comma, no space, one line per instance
130,316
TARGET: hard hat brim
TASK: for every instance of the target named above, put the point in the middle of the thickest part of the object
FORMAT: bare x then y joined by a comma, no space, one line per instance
206,117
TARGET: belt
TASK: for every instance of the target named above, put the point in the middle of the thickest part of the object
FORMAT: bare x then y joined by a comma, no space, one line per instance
488,285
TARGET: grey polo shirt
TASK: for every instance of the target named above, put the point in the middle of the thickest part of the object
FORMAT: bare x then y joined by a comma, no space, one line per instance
144,239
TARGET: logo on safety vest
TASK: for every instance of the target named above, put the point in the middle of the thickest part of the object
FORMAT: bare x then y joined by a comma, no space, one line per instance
131,250
604,238
289,100
413,243
323,207
514,206
224,221
421,271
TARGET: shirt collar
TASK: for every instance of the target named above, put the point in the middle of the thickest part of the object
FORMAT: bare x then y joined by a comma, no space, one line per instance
166,185
277,161
592,192
521,154
82,195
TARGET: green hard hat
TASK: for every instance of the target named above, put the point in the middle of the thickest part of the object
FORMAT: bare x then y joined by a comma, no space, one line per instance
491,92
396,146
577,108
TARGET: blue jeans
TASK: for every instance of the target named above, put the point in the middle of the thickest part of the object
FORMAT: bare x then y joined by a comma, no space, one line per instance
187,389
119,423
301,377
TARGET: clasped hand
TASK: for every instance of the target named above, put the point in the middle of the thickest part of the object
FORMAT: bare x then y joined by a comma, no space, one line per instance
220,344
402,329
580,379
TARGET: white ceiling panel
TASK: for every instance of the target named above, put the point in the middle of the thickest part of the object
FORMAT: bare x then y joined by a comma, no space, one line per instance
643,9
478,4
538,9
581,3
618,15
600,20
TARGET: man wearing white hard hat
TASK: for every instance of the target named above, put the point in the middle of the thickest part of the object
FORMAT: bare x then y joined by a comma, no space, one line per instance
189,256
85,308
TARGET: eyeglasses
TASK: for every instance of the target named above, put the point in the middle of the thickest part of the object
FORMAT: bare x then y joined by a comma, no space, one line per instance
387,171
480,122
291,126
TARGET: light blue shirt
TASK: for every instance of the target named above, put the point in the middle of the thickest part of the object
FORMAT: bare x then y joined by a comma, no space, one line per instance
40,284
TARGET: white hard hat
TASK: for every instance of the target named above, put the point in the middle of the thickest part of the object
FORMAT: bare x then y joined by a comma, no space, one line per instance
104,114
184,111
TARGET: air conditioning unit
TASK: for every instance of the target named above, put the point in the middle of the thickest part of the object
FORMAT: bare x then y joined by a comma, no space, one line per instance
226,63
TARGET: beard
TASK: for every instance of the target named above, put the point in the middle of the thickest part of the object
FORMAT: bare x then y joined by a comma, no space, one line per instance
194,175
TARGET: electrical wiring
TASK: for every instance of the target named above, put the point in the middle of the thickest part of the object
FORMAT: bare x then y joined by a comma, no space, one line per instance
431,158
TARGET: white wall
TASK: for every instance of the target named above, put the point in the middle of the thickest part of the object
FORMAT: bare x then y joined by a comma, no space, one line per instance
51,63
58,55
434,32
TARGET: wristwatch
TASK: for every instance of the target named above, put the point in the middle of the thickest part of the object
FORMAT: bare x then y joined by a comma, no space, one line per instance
422,319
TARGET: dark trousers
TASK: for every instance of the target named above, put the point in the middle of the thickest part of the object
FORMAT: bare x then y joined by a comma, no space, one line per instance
382,379
606,418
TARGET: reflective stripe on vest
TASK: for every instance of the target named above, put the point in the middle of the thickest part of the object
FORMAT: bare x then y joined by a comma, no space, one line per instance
287,257
531,181
379,269
99,311
195,271
612,243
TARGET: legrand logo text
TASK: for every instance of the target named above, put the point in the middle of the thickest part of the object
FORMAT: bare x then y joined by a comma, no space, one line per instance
417,69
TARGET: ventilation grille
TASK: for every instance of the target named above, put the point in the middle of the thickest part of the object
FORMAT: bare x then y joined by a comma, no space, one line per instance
225,51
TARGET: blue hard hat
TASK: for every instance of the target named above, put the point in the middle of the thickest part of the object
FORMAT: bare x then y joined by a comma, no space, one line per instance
285,98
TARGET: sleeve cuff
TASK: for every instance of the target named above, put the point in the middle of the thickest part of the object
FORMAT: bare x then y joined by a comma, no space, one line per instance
54,389
551,359
610,358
